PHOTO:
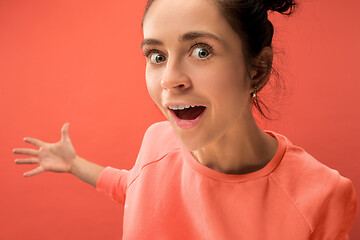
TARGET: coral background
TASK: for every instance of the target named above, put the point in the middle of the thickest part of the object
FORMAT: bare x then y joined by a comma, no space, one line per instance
81,62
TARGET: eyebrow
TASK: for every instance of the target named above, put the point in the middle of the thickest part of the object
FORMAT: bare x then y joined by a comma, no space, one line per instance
186,37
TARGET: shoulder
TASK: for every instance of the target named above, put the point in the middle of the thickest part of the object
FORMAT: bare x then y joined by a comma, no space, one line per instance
310,184
159,140
161,136
160,129
297,165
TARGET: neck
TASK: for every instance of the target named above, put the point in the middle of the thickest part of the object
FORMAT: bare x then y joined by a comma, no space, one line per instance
244,148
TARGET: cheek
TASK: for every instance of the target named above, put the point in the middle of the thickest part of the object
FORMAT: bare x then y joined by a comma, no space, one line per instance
153,86
222,83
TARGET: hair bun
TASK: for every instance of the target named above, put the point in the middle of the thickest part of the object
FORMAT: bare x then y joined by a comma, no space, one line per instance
282,6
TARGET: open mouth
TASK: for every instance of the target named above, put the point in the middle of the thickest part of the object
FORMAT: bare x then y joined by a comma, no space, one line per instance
190,113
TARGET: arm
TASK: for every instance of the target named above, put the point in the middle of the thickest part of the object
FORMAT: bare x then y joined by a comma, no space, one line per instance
58,157
86,171
337,215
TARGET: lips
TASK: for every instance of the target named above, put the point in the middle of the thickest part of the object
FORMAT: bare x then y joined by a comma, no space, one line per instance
185,115
196,116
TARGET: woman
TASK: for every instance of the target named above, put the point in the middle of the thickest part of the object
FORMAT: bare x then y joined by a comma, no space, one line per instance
210,172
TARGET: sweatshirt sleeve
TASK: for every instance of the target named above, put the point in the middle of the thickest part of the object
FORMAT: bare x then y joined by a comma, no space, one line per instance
338,212
113,182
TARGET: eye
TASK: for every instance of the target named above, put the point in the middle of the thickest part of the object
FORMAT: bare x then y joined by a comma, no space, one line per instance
155,56
201,51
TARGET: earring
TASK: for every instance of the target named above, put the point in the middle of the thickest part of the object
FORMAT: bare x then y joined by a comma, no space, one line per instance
253,94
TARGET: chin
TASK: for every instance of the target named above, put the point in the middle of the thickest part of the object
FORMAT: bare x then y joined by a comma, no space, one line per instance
190,142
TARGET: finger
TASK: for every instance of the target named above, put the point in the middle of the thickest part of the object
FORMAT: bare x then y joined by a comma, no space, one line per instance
65,132
27,161
34,141
34,172
26,151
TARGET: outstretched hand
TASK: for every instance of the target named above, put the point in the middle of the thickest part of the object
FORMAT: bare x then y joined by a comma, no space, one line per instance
55,157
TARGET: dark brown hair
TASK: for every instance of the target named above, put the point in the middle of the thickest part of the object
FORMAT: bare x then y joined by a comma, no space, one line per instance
249,19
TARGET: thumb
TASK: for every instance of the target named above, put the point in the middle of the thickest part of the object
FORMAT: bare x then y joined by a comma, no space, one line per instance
65,132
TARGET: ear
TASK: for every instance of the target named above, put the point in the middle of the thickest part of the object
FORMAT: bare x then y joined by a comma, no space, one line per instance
260,74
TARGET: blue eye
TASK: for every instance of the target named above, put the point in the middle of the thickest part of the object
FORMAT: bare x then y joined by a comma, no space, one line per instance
157,58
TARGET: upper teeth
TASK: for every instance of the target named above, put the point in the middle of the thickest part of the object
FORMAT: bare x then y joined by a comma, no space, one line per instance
180,107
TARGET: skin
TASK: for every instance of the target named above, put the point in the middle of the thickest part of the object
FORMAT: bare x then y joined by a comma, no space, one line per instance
227,139
58,157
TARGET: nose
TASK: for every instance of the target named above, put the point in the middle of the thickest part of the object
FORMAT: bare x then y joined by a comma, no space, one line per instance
175,77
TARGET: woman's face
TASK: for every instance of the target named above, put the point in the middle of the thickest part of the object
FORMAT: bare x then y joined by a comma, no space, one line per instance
194,57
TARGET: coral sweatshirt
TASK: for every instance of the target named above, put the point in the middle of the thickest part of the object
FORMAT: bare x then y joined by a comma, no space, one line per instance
168,194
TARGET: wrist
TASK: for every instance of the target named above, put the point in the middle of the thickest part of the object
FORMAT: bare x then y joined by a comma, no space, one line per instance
75,166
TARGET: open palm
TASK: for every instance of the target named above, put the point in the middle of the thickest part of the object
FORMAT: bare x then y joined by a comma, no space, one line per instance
55,157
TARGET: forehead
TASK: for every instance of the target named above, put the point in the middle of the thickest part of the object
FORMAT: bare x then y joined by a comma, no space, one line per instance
172,18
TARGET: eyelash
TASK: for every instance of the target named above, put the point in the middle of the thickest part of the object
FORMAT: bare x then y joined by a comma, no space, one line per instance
203,44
